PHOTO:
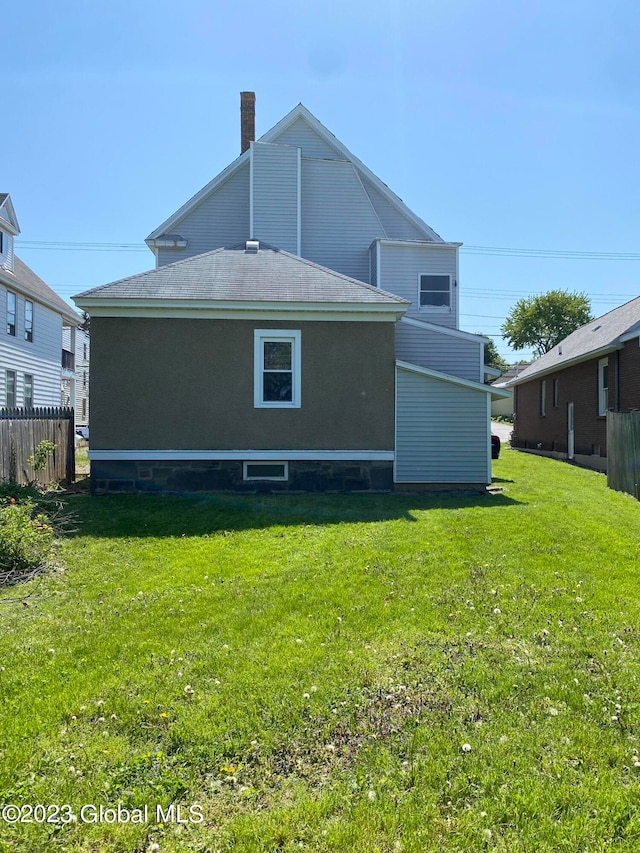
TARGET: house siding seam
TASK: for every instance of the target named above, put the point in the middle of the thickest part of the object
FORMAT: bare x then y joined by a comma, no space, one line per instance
395,224
439,351
221,219
441,431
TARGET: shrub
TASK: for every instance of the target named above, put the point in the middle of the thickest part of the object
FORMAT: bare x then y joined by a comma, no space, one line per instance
26,540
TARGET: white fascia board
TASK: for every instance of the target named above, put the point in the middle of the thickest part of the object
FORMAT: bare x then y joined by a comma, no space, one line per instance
195,200
491,371
301,111
259,311
452,380
418,244
11,223
246,455
454,333
164,244
569,362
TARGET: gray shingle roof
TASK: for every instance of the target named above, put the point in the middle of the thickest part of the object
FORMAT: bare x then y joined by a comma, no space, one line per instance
24,278
235,274
600,334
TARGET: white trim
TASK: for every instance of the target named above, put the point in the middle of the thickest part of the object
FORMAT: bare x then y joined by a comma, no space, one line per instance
251,455
491,371
489,456
253,311
434,327
299,206
251,234
418,244
457,287
292,336
395,428
246,477
454,380
438,309
602,410
629,336
378,267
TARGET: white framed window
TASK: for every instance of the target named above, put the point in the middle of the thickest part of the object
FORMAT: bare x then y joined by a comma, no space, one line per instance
543,397
27,392
277,369
11,313
11,389
265,471
434,292
603,386
28,320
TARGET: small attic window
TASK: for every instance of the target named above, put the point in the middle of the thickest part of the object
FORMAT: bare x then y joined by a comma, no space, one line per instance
252,246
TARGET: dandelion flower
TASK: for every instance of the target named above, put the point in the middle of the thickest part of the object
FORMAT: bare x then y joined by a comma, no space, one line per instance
306,696
466,747
189,691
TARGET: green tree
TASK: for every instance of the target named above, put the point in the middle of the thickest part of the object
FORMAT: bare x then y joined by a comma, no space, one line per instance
543,321
492,357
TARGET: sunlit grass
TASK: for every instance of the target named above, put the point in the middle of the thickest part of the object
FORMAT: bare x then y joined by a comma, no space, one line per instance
309,669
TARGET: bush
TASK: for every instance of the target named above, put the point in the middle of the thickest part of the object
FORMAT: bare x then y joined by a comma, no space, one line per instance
26,541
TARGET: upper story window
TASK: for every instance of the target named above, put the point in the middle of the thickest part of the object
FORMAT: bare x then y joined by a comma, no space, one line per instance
3,243
277,369
28,320
603,386
435,292
11,313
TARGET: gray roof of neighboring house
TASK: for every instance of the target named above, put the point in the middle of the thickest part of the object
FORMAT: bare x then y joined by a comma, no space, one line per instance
24,279
514,371
599,335
239,275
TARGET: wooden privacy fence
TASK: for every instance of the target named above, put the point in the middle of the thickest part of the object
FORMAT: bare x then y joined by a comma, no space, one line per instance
623,452
22,430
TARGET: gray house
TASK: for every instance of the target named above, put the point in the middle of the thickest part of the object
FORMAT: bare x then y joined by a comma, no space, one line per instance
299,331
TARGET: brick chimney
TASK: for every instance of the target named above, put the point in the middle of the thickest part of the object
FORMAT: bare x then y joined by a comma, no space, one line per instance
247,120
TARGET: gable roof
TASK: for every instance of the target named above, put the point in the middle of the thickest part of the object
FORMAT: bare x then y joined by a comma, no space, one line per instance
23,279
237,277
300,112
600,336
514,371
8,215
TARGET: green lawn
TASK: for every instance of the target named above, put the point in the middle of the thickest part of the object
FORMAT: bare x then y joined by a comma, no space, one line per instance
340,673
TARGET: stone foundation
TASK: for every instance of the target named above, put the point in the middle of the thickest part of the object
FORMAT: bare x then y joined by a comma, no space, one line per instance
226,476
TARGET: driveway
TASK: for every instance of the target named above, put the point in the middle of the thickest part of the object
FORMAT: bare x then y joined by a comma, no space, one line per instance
503,431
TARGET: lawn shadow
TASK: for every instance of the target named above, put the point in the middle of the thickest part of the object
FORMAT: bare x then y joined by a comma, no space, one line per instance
122,516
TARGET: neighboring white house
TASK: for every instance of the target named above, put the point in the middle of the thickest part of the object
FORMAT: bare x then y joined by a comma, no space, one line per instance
33,360
503,406
80,402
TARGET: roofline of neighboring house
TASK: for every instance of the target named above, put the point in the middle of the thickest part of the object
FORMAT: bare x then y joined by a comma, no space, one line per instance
453,380
445,330
417,244
211,309
9,280
12,228
629,336
570,362
297,112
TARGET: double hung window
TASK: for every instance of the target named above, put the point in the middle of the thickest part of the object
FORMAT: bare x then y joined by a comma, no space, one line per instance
277,363
603,386
11,313
28,320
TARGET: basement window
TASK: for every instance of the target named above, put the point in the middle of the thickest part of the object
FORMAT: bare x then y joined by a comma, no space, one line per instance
265,471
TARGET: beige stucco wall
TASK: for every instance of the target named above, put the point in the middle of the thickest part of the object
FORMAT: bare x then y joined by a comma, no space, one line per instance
185,384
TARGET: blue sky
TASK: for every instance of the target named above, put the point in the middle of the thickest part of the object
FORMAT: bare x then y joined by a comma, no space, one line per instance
502,124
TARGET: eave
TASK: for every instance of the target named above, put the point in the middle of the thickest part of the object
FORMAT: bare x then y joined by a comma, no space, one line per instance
570,362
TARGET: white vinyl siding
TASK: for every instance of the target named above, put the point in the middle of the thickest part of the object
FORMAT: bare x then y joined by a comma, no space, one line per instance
300,135
439,351
82,354
396,225
275,195
222,219
400,268
41,358
442,431
6,255
338,220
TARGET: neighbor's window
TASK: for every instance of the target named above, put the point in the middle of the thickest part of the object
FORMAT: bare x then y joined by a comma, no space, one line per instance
555,393
277,364
265,470
2,246
11,388
28,320
28,391
543,397
435,291
603,386
11,313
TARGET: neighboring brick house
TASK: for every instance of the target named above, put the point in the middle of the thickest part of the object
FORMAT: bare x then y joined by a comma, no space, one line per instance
562,399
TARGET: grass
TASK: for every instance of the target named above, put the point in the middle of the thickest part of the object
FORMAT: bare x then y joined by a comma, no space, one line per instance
362,673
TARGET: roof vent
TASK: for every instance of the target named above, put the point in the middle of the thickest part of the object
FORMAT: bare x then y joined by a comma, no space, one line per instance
560,350
252,246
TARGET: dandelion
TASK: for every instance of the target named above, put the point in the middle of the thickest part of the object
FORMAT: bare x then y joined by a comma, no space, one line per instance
371,795
578,599
553,712
466,747
298,640
153,848
487,834
227,768
313,688
52,651
188,690
163,714
306,696
497,610
113,717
